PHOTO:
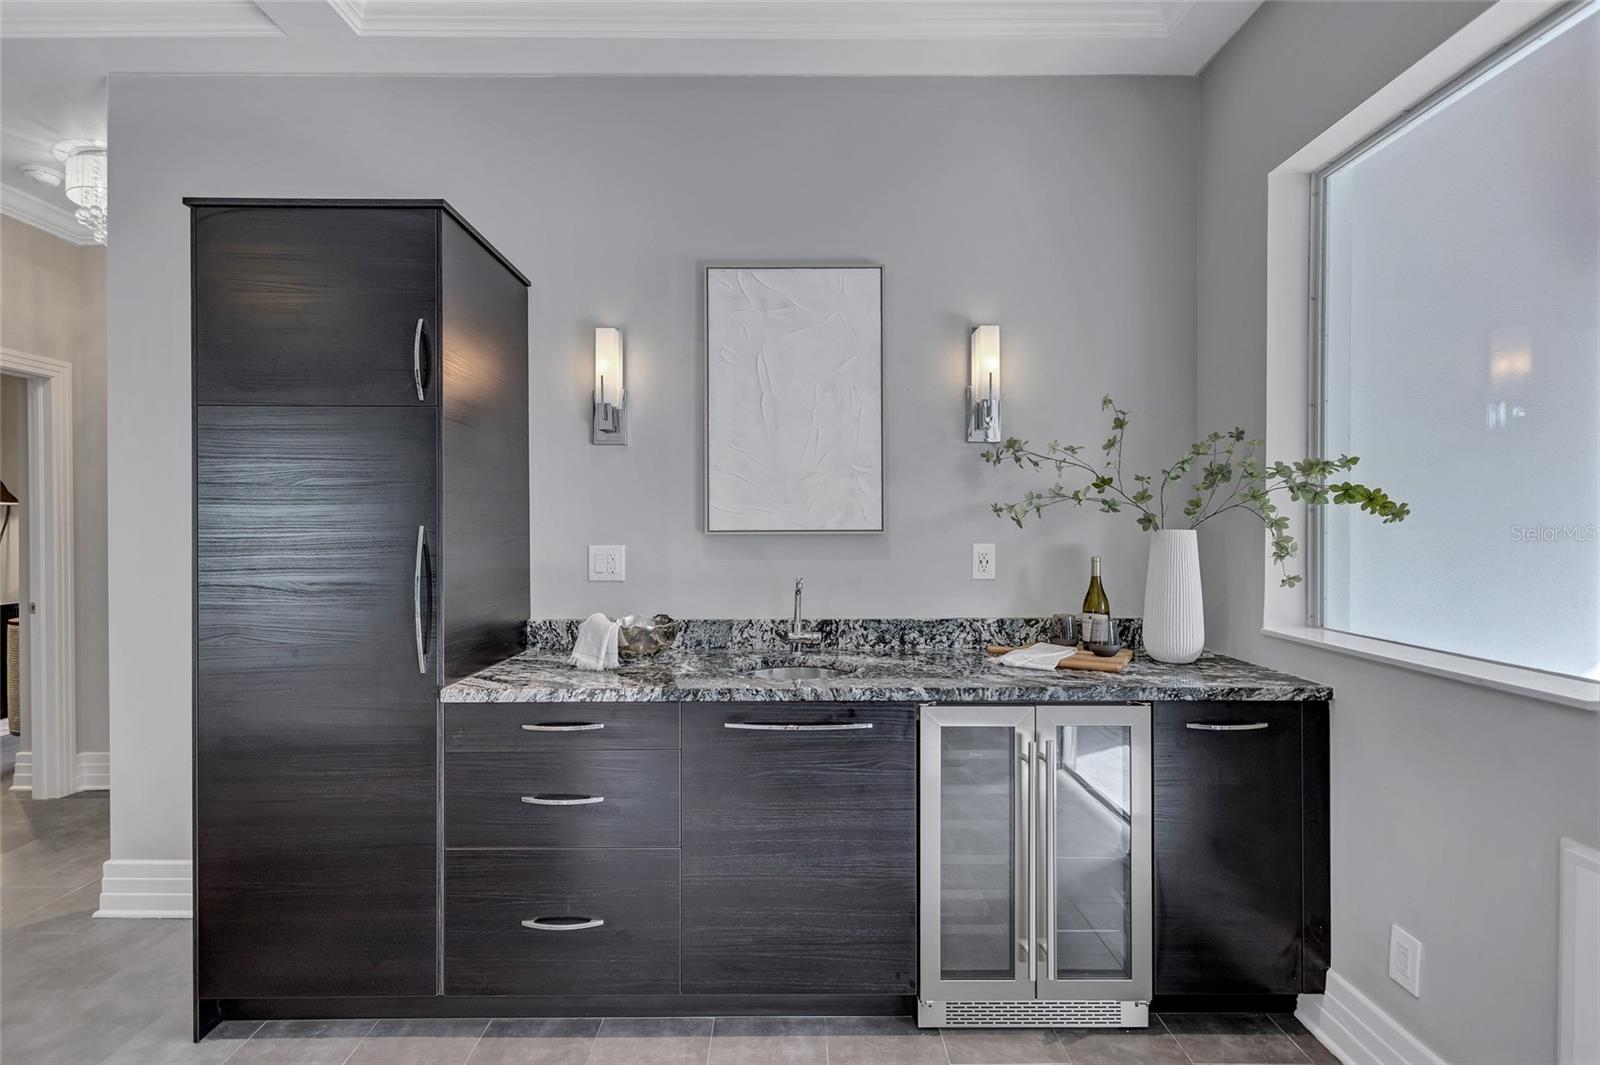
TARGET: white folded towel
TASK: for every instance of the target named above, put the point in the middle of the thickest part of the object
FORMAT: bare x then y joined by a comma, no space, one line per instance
1037,656
597,643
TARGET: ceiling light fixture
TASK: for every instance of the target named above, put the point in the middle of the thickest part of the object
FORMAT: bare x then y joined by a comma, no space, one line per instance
85,185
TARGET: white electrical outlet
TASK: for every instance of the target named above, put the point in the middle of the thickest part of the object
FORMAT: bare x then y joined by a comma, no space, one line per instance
983,562
1405,960
608,562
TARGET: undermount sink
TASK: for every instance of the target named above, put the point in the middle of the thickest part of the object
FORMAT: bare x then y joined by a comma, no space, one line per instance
795,673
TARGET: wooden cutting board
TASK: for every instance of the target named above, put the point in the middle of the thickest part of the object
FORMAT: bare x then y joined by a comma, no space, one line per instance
1083,659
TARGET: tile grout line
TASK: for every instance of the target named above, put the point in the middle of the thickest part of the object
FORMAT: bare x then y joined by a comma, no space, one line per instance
713,1027
475,1042
373,1027
1289,1035
1174,1037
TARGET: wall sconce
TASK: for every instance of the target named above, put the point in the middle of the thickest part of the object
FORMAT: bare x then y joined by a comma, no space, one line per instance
607,425
983,387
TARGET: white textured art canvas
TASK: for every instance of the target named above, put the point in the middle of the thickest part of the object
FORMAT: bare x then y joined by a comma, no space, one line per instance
794,399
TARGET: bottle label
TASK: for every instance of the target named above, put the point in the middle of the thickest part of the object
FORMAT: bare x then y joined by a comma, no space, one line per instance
1096,628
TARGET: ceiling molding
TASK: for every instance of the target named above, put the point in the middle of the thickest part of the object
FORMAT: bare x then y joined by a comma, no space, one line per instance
135,18
42,214
1056,20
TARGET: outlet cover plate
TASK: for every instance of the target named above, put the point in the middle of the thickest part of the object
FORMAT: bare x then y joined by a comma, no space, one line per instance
608,562
1405,960
983,563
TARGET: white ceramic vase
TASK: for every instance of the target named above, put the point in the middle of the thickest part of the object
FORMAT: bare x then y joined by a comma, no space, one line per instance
1174,616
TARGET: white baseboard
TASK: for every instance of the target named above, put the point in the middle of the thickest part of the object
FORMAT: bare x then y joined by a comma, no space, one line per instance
146,889
1359,1033
22,778
93,771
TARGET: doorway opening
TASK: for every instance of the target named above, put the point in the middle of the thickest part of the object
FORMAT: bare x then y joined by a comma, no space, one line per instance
39,394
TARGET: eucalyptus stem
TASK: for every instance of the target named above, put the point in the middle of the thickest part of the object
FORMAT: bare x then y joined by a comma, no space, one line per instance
1250,483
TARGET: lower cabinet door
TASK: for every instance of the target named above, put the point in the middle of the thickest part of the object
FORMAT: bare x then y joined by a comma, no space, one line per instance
315,727
1228,848
799,849
561,922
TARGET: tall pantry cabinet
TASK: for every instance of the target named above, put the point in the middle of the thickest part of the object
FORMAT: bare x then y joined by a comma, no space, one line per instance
361,537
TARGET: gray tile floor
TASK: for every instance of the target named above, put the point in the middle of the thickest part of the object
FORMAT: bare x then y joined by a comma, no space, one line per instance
77,991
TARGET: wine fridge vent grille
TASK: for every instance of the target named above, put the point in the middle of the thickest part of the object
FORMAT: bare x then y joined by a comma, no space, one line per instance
990,1014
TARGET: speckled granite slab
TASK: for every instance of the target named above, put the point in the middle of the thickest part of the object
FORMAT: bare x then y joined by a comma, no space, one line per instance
951,676
854,635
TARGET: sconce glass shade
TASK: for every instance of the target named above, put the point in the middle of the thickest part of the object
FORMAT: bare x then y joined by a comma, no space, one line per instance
610,388
607,364
85,185
983,386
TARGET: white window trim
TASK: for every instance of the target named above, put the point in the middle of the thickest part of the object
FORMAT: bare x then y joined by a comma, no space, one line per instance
1290,240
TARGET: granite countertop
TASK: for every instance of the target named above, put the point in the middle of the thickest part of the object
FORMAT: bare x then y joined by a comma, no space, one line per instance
944,675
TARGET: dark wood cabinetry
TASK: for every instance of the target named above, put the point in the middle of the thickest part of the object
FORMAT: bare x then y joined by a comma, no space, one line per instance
799,849
314,794
315,304
330,599
590,922
1240,848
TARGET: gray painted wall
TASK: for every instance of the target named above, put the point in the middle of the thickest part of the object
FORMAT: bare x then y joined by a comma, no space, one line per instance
1062,209
1448,800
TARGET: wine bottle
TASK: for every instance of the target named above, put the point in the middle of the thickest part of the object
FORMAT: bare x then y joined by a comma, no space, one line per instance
1096,608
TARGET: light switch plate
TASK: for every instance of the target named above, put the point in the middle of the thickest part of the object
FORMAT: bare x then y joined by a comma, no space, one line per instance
1405,960
983,562
608,562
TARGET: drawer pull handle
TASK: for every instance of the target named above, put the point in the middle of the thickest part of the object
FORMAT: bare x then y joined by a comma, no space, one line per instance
586,726
1207,726
563,924
563,800
843,727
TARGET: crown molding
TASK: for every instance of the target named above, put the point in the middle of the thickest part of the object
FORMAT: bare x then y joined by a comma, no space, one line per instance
767,19
110,18
42,214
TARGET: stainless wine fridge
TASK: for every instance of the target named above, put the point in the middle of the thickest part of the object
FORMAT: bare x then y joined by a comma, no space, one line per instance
1035,865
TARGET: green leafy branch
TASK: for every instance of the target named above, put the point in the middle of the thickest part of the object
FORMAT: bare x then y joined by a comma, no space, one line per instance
1222,472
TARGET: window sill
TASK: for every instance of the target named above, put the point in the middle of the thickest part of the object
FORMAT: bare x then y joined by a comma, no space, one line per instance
1568,691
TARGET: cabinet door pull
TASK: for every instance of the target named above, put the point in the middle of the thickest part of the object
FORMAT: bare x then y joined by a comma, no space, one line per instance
563,924
1244,726
1023,854
422,575
841,727
577,726
563,800
416,363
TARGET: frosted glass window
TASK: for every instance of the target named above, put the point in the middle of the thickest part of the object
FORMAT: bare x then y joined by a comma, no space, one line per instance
1460,359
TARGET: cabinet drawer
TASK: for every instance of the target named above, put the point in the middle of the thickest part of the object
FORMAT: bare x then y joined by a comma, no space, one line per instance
561,726
615,798
602,922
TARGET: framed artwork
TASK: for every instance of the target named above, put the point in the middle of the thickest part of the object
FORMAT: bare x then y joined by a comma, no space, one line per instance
794,399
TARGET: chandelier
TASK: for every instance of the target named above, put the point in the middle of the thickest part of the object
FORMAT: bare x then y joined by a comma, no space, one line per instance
85,185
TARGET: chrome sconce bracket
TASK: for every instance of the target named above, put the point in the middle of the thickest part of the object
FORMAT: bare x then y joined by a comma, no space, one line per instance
607,424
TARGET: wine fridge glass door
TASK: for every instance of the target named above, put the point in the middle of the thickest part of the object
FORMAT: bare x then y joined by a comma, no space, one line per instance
977,880
1093,852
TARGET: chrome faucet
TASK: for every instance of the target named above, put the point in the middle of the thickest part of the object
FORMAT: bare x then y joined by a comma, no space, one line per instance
797,634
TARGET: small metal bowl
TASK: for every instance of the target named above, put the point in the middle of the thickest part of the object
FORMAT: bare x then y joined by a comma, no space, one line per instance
645,637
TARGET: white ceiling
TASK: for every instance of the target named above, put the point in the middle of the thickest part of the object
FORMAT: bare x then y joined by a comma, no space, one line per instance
55,55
